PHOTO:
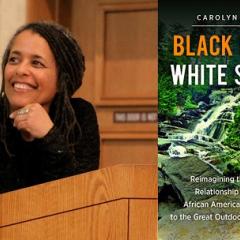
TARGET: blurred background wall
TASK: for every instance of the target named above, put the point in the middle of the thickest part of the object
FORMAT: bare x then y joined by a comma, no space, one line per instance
119,40
12,15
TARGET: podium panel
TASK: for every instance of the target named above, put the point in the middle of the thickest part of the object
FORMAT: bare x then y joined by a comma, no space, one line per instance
104,221
115,203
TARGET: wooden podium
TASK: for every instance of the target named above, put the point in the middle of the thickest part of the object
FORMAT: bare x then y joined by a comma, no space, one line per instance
114,203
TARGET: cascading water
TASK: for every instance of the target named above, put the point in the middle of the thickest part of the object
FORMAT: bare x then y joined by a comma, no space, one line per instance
205,139
213,123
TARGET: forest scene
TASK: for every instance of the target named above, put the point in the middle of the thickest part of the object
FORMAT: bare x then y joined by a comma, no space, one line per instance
209,111
198,126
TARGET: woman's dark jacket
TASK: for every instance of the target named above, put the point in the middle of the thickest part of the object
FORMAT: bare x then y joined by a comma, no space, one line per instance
50,158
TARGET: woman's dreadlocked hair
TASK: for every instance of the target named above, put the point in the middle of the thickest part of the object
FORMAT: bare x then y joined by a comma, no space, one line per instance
70,65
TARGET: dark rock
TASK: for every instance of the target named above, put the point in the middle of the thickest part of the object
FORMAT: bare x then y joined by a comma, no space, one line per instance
178,123
164,147
179,172
161,133
236,90
203,106
191,114
161,118
195,113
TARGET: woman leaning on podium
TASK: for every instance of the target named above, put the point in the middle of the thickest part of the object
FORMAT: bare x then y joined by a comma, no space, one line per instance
44,133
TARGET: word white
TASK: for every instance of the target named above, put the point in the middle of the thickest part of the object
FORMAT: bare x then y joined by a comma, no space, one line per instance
195,74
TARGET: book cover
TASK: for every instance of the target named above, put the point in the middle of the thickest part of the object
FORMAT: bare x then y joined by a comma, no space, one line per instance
199,120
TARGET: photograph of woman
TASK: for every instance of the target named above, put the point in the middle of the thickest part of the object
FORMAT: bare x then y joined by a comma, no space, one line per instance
78,119
44,133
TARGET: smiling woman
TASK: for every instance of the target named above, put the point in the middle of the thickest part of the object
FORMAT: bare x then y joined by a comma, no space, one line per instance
30,79
30,72
44,133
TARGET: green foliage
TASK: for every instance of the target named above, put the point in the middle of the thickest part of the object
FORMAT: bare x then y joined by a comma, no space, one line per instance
174,99
229,163
189,104
233,134
167,98
232,167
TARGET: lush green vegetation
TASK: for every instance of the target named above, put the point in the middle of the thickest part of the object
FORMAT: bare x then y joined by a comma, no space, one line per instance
173,100
229,163
233,134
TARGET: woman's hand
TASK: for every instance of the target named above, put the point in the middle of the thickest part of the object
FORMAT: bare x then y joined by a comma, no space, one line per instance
32,120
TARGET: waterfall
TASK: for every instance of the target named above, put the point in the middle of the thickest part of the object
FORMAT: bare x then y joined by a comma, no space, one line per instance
214,122
205,139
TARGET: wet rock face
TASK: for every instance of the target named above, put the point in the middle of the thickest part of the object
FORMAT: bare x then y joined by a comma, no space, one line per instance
187,118
180,122
161,132
203,106
163,147
177,151
180,170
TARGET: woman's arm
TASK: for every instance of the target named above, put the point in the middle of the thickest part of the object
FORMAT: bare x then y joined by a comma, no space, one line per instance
58,160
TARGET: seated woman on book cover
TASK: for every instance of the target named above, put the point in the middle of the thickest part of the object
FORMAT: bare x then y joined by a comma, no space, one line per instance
44,133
